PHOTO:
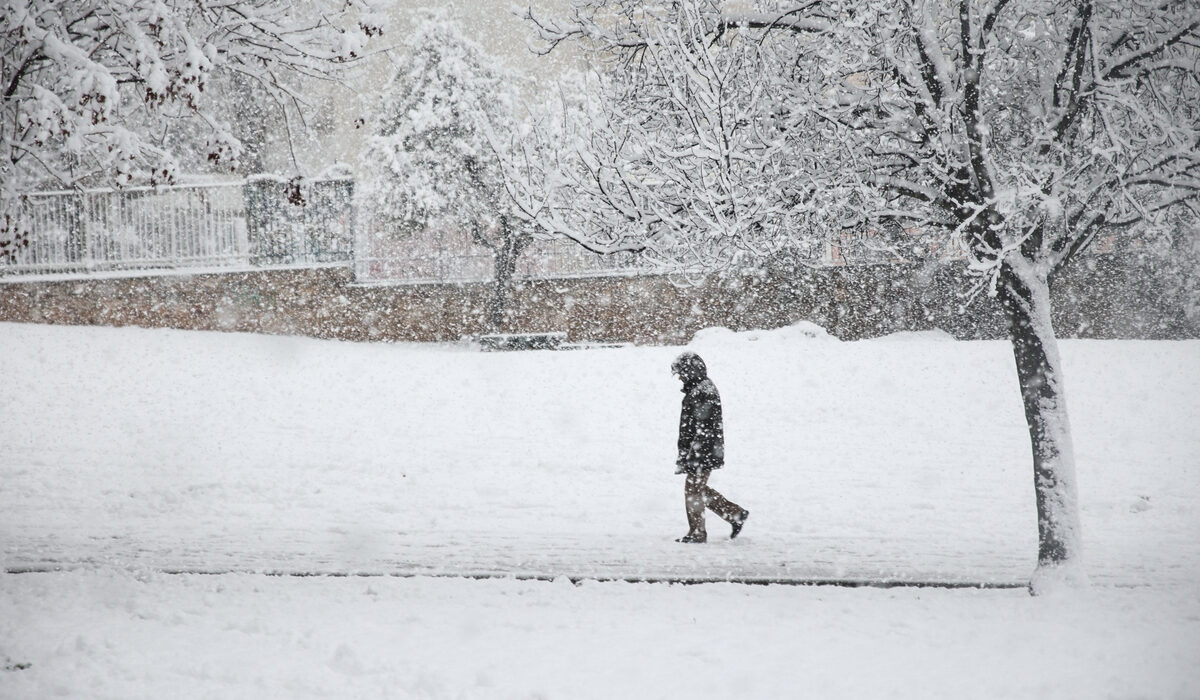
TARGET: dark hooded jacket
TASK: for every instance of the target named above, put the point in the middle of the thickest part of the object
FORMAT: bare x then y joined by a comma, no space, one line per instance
701,430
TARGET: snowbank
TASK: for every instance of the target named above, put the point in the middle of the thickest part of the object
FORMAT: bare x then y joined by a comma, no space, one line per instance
797,332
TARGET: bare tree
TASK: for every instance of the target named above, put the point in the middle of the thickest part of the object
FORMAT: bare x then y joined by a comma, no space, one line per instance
109,91
1019,132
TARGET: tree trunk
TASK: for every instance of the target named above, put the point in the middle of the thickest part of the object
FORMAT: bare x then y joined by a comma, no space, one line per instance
1025,296
499,298
506,264
512,242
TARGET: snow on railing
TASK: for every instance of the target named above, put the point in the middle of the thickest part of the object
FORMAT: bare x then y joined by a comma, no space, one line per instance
257,223
260,222
436,255
269,222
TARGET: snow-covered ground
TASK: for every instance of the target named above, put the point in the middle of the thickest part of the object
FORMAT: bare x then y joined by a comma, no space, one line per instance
131,455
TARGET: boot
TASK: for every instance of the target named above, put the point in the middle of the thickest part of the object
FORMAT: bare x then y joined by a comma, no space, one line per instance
738,522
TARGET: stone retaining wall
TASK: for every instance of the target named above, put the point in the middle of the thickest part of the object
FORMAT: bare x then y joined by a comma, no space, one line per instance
1102,299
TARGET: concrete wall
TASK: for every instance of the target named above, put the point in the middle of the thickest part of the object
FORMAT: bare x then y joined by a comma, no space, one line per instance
1104,299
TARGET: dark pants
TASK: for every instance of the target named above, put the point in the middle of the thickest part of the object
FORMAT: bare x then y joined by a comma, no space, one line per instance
697,495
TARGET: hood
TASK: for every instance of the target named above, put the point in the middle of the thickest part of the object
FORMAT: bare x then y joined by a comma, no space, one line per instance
690,368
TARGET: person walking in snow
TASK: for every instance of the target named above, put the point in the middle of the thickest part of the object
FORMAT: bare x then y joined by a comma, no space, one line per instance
702,449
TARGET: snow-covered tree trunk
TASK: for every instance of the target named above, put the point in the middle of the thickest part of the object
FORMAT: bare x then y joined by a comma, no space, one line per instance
1024,294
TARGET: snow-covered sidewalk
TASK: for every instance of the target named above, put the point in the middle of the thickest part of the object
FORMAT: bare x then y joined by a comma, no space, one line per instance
133,453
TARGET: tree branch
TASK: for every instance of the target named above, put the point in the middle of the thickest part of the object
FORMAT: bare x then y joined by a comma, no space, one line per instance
1117,69
1066,98
972,118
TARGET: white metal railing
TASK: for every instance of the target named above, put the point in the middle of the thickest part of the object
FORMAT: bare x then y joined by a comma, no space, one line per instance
232,225
439,256
139,227
266,222
555,259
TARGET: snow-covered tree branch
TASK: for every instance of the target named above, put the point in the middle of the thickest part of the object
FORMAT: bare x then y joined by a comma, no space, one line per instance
679,148
105,91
